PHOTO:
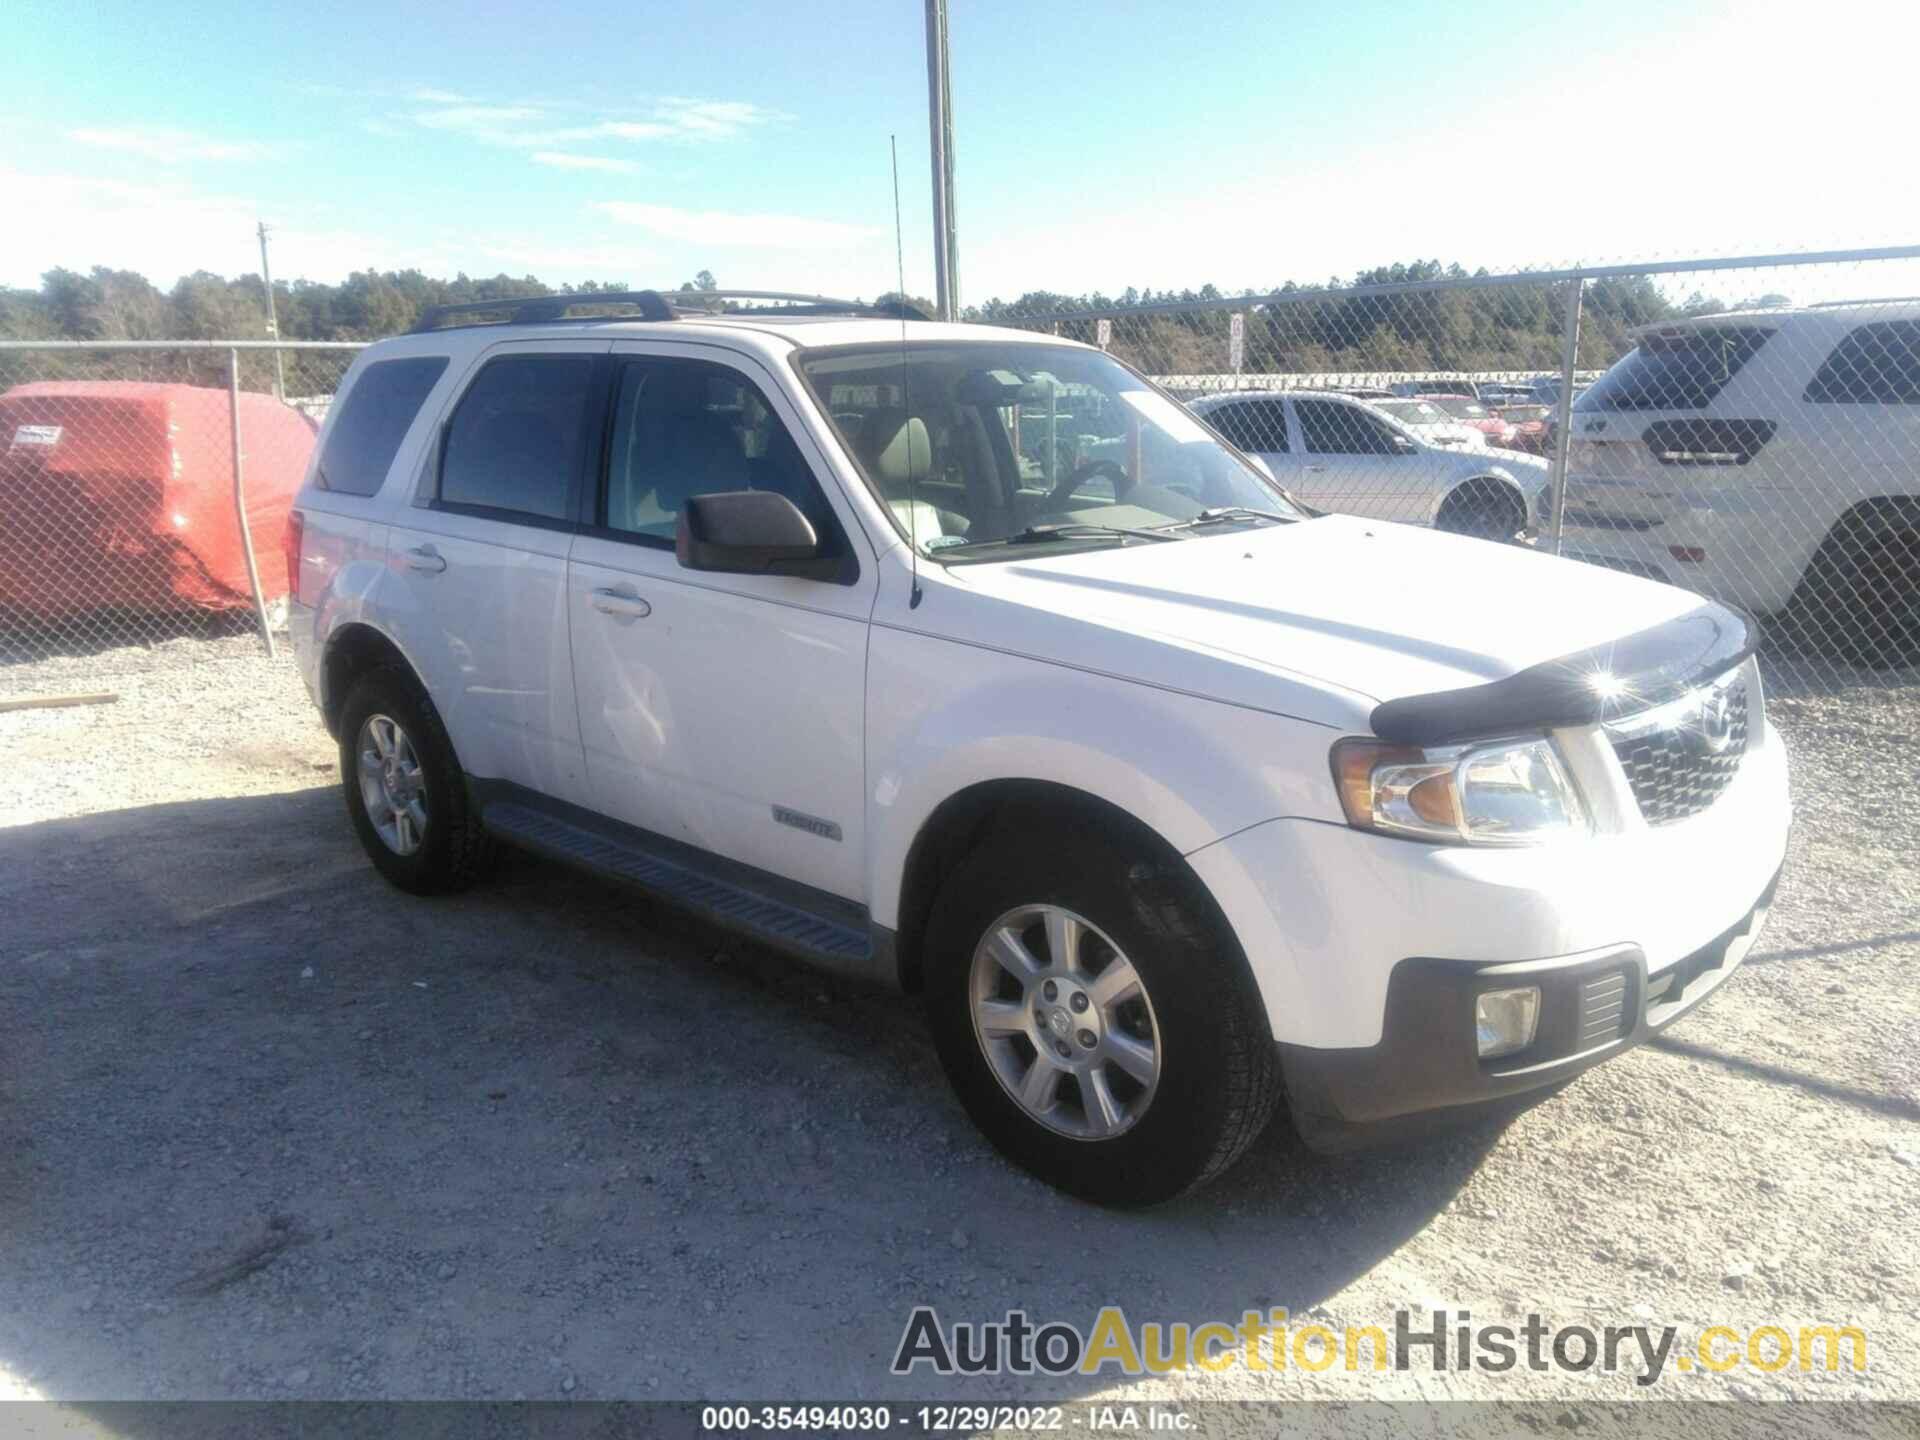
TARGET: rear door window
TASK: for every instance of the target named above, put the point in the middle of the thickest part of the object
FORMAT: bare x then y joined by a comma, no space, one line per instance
1679,370
373,420
1331,428
517,437
1874,365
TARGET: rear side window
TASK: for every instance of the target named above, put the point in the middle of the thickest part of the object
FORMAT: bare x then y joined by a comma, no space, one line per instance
373,420
1874,365
1680,370
516,438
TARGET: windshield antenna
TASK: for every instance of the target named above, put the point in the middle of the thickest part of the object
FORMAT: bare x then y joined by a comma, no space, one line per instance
906,403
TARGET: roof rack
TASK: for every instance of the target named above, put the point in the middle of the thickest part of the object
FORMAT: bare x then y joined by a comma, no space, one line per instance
647,305
1876,300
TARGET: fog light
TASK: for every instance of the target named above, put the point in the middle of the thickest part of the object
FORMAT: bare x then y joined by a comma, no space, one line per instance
1503,1020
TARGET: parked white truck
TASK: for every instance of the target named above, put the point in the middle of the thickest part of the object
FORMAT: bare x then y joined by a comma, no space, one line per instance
1167,794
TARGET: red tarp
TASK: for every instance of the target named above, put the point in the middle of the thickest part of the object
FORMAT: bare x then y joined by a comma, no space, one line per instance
119,494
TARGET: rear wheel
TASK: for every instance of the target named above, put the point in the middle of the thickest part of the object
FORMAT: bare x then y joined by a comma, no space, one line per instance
404,788
1483,507
1860,597
1095,1017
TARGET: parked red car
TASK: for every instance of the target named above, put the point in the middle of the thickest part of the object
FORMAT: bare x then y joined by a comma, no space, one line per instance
119,495
1532,428
1473,414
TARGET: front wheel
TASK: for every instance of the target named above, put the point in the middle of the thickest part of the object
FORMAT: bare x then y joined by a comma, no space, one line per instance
1095,1018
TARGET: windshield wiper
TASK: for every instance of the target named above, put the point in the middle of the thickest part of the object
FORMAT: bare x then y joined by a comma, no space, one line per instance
1226,514
1041,534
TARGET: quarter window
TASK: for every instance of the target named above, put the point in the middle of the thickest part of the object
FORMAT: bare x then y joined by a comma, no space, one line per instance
1874,365
373,420
517,436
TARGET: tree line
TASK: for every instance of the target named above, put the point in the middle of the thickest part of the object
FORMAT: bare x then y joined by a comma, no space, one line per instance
1504,327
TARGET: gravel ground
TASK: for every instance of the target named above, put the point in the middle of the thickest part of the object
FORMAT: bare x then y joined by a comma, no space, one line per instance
281,1131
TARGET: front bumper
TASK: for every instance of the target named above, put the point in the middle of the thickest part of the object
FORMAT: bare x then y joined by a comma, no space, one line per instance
1594,1005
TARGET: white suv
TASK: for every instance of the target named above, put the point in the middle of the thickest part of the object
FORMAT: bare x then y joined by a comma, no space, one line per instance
1159,790
1766,457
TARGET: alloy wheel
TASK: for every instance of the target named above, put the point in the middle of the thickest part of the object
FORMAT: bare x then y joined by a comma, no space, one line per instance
392,786
1065,1023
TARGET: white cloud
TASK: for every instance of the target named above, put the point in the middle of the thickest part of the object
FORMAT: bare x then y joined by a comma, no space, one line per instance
482,122
621,130
721,227
713,119
167,146
562,160
426,95
544,125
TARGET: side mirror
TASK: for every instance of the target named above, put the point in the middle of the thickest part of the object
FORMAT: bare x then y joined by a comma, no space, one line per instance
1403,446
749,532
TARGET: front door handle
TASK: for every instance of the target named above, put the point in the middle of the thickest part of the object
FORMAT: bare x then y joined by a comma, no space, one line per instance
425,557
1316,469
622,603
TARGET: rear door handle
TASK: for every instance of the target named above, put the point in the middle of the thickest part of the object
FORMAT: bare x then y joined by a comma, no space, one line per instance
621,602
426,558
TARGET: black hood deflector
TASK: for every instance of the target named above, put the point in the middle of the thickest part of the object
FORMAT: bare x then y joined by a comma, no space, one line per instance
1649,667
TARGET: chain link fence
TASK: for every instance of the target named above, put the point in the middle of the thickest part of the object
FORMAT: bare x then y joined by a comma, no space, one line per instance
1748,428
144,493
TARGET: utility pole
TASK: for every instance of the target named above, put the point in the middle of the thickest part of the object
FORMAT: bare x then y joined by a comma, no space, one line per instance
946,255
273,321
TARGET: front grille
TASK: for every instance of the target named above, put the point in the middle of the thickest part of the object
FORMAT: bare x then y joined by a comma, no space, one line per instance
1681,766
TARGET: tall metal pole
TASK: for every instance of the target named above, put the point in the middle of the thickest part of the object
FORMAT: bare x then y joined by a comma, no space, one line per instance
273,320
946,257
240,502
1563,410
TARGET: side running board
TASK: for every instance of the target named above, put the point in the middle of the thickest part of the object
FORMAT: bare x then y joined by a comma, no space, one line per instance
824,930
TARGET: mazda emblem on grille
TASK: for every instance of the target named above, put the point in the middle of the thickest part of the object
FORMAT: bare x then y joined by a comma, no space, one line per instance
1716,722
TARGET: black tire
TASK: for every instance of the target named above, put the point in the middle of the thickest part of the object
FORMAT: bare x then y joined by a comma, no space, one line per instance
1860,596
1484,508
1219,1075
452,851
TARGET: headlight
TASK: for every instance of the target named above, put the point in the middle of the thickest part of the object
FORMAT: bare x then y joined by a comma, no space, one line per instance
1501,792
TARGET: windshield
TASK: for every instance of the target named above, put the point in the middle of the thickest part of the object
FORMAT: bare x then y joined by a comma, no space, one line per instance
1412,412
977,446
1463,409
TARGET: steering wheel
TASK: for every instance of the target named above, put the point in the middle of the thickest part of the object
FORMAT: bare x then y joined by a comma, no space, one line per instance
1122,482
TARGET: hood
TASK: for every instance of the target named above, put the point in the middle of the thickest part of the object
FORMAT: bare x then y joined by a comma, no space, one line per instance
1322,618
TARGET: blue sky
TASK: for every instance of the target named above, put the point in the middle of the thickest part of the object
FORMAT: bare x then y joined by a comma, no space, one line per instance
1242,142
